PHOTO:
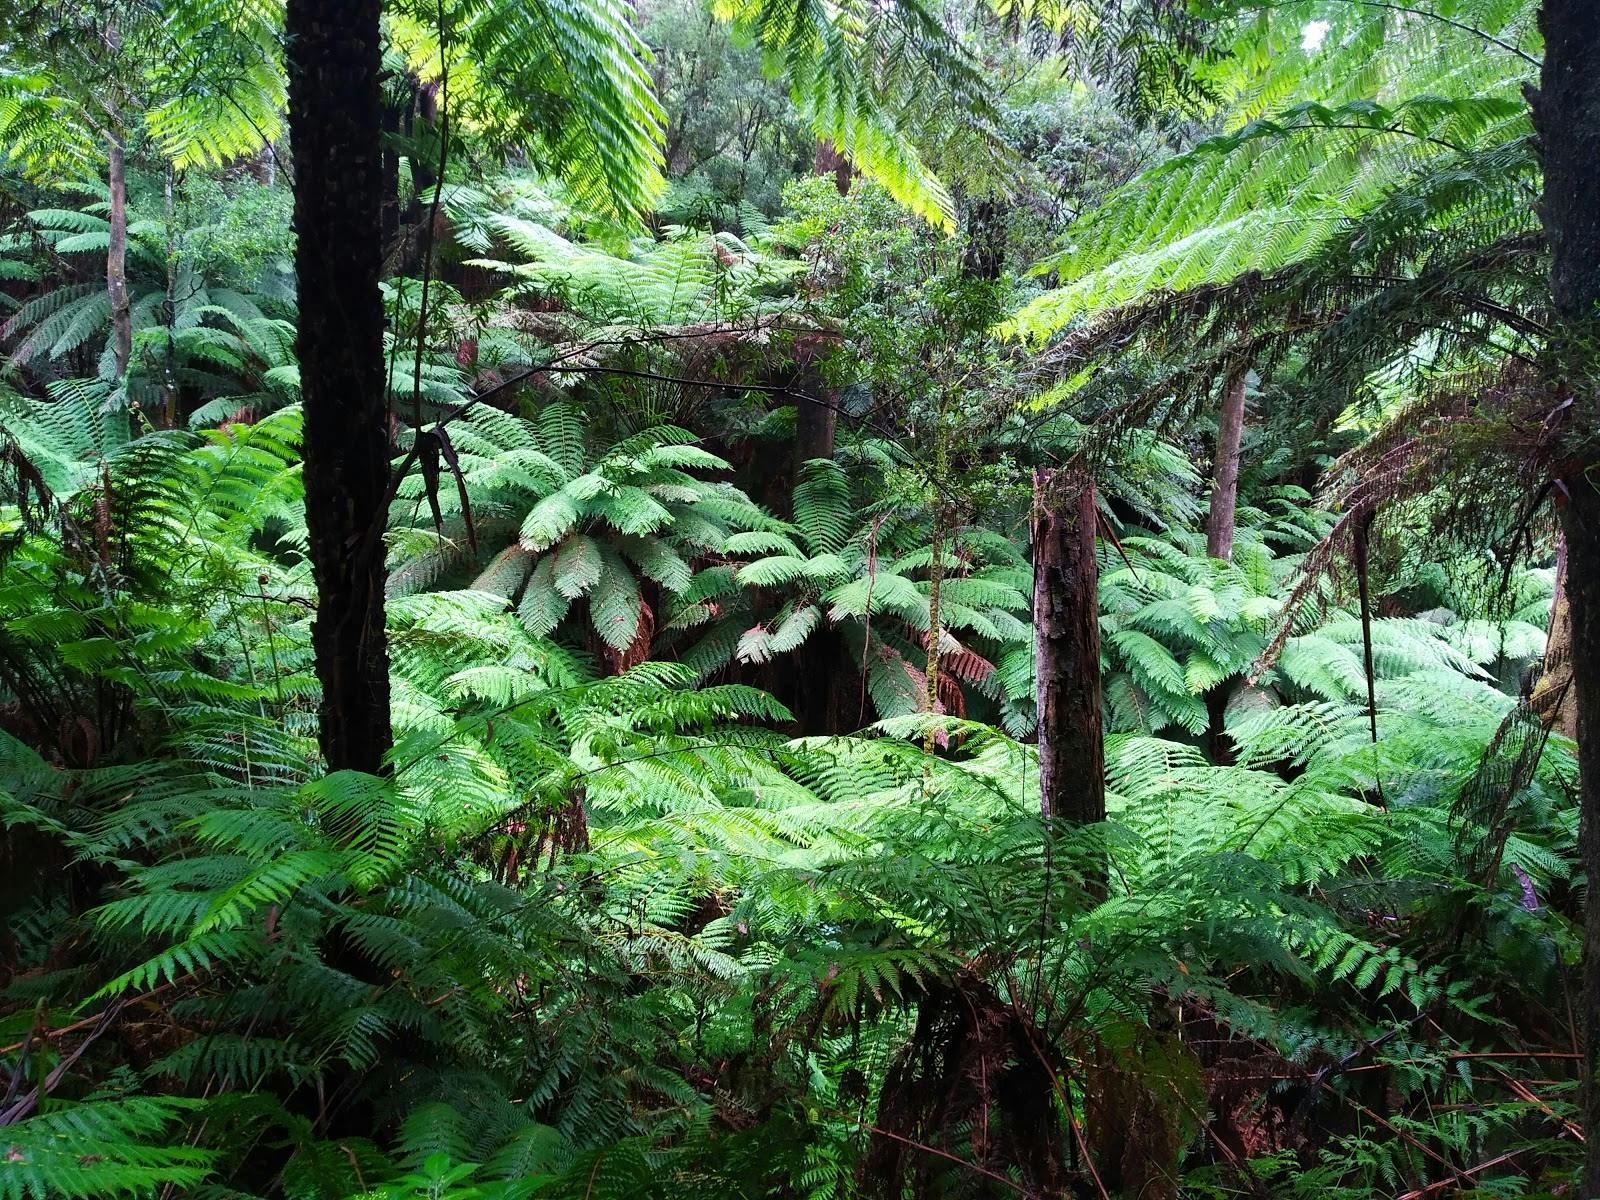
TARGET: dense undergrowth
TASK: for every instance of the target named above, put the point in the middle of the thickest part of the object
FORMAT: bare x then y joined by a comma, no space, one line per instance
694,873
613,929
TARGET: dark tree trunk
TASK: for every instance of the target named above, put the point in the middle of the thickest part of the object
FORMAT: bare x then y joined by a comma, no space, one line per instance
816,426
117,260
1225,470
335,122
816,406
818,679
1066,635
1581,521
1566,112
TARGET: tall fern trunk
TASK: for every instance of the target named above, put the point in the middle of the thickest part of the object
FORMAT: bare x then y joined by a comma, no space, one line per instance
117,260
1581,522
1566,112
1066,634
335,122
1225,470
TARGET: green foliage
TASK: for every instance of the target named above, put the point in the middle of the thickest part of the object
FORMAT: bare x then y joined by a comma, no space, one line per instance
1392,102
102,1148
588,927
209,331
596,528
683,278
635,908
202,79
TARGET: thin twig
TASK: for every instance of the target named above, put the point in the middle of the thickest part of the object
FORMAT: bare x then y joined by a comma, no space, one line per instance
21,1108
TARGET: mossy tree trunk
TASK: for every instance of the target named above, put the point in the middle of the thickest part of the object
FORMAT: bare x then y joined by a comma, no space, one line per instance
335,122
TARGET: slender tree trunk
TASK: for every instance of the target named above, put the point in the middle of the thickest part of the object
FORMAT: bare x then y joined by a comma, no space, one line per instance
1566,113
266,165
335,123
117,261
1225,470
941,522
822,666
1553,697
1066,633
169,311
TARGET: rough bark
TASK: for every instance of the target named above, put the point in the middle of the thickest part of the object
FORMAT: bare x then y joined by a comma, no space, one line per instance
1566,112
1225,470
335,122
1553,697
1066,632
1132,1118
117,260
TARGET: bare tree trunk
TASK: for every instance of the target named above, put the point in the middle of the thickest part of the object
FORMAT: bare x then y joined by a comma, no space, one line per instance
1553,697
117,261
1566,113
335,122
1225,470
1066,632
